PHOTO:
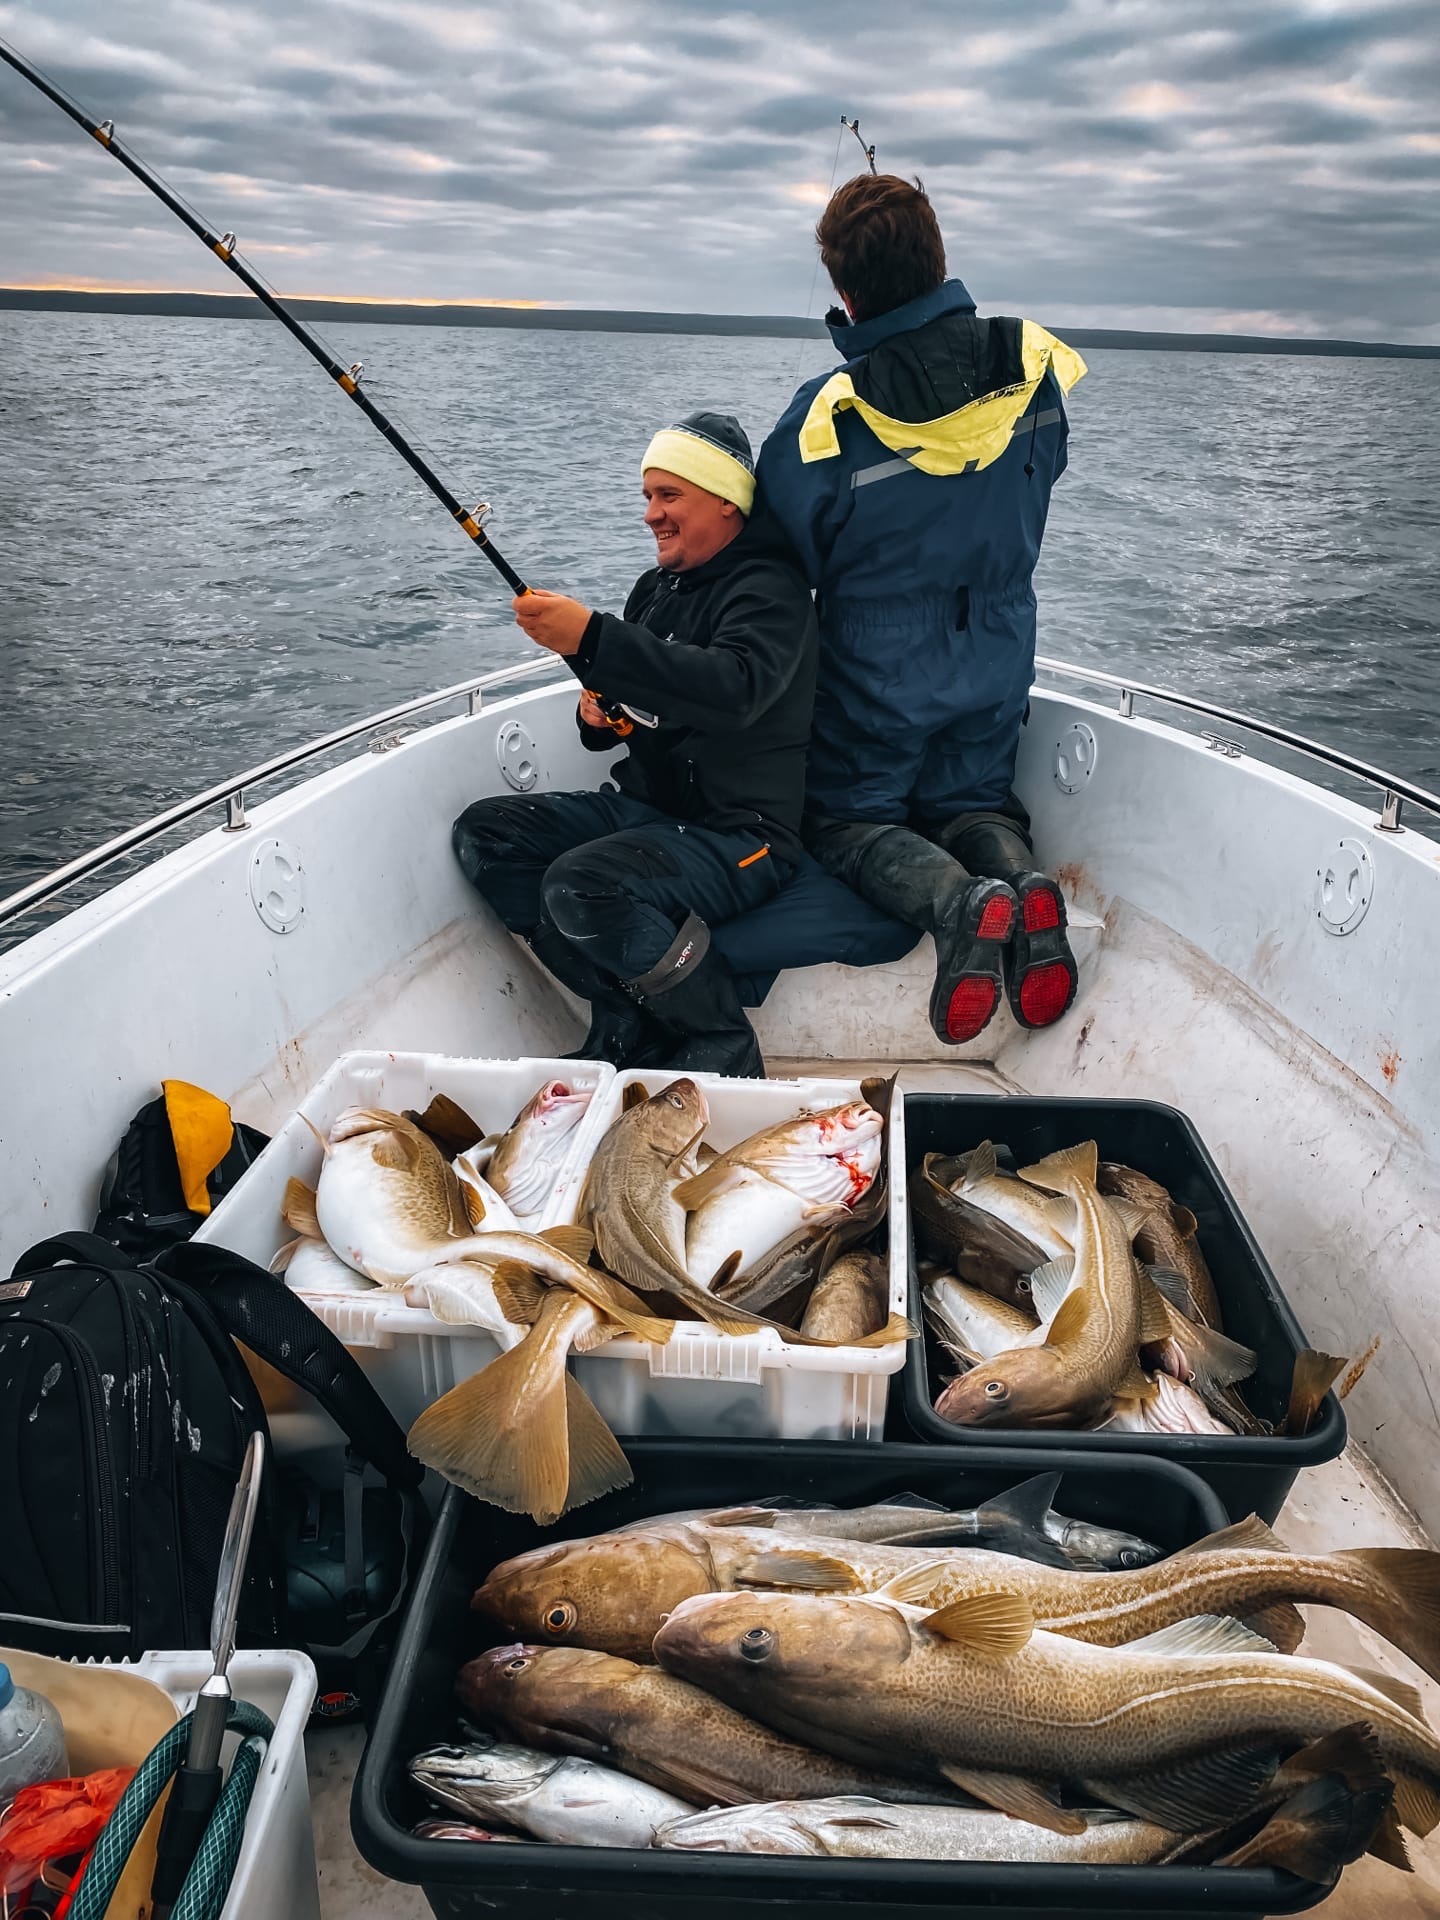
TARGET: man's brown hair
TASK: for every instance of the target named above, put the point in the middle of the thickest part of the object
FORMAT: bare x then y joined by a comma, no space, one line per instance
880,242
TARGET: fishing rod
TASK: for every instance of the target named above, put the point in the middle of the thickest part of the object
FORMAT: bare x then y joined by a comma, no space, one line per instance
470,519
854,126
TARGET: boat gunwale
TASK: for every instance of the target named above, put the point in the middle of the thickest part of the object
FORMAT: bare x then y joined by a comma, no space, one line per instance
230,793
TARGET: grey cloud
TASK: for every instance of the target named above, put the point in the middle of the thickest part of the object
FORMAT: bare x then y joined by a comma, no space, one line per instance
1253,157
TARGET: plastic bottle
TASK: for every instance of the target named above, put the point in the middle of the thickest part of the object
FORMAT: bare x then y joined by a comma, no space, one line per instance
32,1738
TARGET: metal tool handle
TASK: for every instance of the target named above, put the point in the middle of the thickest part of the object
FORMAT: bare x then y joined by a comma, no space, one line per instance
235,1552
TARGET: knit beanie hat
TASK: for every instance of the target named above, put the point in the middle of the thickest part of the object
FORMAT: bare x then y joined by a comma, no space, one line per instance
710,449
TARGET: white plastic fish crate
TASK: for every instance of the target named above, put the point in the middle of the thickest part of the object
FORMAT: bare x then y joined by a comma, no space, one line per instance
753,1386
410,1357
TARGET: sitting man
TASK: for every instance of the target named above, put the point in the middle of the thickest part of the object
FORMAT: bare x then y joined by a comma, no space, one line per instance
914,484
711,675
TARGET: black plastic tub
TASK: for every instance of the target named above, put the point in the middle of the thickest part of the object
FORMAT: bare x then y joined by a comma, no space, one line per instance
560,1883
1250,1475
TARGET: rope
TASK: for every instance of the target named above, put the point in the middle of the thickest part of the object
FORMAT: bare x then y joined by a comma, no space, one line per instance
208,1881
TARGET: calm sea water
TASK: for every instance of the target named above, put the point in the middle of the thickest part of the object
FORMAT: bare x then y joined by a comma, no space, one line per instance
206,555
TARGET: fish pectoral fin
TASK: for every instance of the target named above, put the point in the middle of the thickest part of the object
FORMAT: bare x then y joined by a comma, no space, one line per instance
518,1294
1012,1793
1215,1360
1136,1385
1050,1285
576,1242
280,1260
1155,1312
297,1210
727,1270
1131,1215
1070,1323
1387,1843
799,1569
397,1151
912,1586
635,1095
597,1462
1315,1373
1404,1696
474,1206
1059,1172
1203,1790
1206,1633
998,1624
717,1178
1183,1221
1249,1532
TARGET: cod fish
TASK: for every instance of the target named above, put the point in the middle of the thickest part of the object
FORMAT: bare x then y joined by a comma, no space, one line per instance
976,1325
751,1215
1088,1357
653,1726
1168,1236
388,1203
310,1267
462,1294
526,1160
1179,1728
522,1433
850,1302
977,1245
1313,1827
572,1802
629,1203
830,1158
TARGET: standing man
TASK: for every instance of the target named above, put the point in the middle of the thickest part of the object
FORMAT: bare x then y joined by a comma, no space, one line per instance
914,484
711,676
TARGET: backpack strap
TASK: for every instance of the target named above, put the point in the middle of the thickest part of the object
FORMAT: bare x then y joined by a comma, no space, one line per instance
85,1249
258,1309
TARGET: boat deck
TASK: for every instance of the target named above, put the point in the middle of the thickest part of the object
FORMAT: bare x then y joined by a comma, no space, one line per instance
1345,1503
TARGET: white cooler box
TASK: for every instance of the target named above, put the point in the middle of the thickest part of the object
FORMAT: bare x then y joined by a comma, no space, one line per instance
410,1358
749,1386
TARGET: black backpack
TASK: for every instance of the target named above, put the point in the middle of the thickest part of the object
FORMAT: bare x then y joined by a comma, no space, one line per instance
125,1406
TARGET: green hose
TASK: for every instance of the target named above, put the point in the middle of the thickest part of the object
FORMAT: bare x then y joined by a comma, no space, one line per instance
208,1881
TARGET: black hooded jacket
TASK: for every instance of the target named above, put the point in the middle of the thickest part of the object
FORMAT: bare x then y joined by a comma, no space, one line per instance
724,655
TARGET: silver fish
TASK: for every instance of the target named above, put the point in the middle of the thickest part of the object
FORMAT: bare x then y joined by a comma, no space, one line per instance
575,1803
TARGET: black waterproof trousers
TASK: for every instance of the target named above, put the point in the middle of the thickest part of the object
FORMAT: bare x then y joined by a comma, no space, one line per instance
615,876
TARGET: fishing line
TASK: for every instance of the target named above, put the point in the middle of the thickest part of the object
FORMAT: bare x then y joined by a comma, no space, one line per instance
470,519
815,273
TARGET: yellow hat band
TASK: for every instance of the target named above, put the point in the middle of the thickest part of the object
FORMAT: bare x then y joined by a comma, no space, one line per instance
693,458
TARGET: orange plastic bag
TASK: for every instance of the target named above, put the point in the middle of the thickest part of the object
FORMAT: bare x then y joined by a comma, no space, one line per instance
52,1821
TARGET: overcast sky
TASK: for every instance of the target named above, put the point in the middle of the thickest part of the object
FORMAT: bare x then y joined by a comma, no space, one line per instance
1235,164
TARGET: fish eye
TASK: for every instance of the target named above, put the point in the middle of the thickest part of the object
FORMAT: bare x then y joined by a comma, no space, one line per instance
561,1617
1022,1285
756,1643
675,1101
996,1390
1131,1557
519,1664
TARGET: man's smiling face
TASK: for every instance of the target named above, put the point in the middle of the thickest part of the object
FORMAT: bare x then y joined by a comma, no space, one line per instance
690,526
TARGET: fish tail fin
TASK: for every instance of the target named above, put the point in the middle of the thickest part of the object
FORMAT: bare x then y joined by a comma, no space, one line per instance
503,1434
297,1210
1064,1171
1396,1591
1315,1373
896,1327
1320,1828
597,1464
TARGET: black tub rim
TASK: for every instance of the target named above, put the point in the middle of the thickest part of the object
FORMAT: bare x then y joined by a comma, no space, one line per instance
768,1879
1279,1452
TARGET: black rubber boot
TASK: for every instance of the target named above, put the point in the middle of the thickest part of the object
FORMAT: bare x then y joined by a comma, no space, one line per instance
970,919
691,991
1041,977
620,1031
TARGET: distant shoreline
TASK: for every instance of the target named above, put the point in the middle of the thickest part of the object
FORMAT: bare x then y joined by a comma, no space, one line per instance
230,306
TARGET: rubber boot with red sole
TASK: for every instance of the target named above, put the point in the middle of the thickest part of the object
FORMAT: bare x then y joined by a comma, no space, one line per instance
972,931
1041,977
